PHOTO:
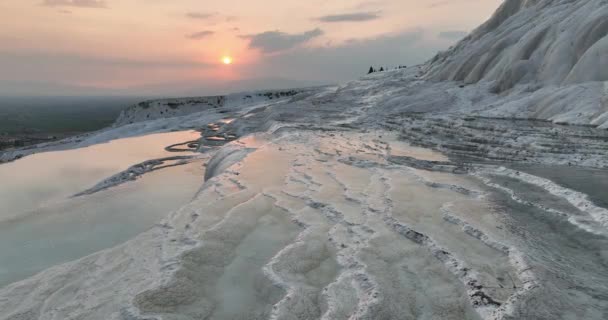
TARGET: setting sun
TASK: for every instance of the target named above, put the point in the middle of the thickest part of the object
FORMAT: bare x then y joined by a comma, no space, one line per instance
227,60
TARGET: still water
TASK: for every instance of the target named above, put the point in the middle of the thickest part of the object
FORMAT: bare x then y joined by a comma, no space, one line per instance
41,225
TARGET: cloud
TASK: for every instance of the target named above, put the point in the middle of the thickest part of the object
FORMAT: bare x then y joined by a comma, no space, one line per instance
24,66
200,35
455,34
370,4
275,41
351,59
445,3
67,60
75,3
200,15
438,4
351,17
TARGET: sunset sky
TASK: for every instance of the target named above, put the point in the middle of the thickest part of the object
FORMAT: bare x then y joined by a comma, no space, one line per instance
177,46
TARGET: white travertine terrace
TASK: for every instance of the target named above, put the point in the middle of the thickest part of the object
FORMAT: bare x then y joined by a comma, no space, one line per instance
388,197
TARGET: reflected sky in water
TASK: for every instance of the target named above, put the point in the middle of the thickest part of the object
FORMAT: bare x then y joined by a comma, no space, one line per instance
49,228
52,176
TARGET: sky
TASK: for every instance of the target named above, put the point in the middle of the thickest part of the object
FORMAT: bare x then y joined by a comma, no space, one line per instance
175,47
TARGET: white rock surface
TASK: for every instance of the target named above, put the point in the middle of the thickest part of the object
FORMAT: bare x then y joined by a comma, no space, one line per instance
177,107
382,198
557,48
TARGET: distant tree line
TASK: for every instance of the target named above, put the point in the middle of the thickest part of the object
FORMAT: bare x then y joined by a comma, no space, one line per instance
382,69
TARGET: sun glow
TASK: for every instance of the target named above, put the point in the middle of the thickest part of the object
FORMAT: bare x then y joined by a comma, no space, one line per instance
227,60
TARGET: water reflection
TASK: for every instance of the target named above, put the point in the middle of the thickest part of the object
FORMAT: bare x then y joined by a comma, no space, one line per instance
48,228
48,177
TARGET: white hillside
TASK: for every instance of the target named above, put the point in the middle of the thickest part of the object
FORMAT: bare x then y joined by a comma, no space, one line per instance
167,108
553,42
177,107
548,59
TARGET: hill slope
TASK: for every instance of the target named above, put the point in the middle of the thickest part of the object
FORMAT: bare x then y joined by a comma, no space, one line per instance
546,58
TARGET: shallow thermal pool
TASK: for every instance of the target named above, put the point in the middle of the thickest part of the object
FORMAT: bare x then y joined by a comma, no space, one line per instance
41,225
